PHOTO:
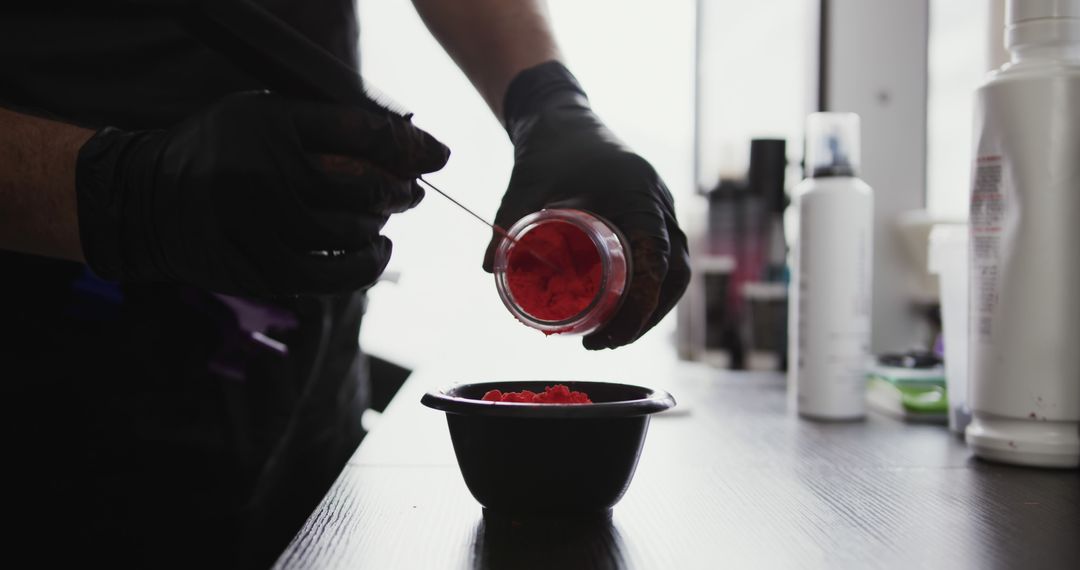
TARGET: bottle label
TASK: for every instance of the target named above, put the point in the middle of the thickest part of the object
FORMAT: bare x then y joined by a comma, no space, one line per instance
988,207
1024,311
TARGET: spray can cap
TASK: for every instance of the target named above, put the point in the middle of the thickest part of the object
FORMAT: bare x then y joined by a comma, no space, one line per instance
832,144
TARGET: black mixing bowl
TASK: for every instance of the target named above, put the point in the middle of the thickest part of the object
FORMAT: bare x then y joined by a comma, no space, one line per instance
544,460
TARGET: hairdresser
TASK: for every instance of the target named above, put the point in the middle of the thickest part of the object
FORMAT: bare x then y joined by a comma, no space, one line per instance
184,256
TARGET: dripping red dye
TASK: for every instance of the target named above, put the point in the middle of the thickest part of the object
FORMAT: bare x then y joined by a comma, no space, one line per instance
564,286
557,394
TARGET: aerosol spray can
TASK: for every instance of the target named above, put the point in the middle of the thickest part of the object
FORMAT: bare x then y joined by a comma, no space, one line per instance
829,333
1024,231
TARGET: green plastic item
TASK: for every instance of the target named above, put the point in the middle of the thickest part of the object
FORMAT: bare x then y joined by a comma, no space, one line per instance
909,393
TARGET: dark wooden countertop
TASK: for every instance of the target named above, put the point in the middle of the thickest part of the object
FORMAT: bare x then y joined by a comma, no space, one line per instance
733,479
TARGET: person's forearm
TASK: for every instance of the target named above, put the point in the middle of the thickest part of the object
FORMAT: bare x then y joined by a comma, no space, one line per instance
38,211
491,40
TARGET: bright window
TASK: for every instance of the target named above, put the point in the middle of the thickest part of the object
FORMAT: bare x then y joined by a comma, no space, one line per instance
634,57
965,43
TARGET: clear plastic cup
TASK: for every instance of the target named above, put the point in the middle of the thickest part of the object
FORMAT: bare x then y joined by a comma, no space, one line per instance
614,271
948,257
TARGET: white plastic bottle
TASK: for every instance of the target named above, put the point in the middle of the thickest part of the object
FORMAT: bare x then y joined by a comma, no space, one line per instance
829,335
1025,244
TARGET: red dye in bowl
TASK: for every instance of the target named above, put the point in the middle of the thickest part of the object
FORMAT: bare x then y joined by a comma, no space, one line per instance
557,394
564,286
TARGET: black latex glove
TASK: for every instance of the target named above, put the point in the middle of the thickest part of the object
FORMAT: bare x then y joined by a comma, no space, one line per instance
564,157
259,195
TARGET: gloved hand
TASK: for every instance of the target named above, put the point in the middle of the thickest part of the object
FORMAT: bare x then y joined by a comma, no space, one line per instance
564,157
258,195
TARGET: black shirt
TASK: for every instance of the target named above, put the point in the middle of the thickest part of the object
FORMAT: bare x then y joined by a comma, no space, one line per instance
116,409
99,63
